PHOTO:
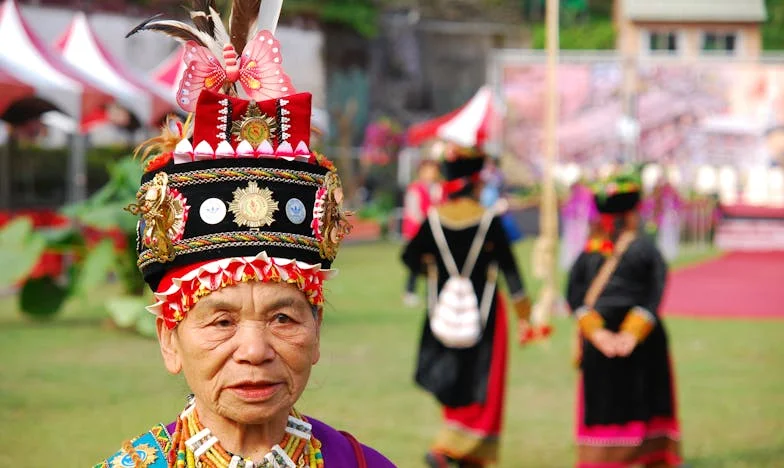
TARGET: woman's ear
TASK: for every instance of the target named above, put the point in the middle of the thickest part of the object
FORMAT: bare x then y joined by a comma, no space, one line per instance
167,339
317,345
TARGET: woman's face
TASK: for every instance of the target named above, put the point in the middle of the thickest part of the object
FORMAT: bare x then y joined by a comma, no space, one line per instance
246,351
429,172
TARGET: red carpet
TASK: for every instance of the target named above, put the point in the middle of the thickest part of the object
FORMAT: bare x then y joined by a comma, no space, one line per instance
737,285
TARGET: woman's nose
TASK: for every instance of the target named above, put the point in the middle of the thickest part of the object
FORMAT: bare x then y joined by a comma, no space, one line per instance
253,344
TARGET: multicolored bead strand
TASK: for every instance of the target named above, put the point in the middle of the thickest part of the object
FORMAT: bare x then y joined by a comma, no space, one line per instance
297,448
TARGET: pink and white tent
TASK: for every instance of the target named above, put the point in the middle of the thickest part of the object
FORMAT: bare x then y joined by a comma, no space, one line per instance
13,90
26,59
468,126
81,48
169,72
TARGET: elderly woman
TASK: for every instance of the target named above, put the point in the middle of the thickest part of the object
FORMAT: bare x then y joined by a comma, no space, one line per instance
236,237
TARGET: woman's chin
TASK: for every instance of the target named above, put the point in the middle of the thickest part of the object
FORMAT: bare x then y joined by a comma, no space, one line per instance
254,411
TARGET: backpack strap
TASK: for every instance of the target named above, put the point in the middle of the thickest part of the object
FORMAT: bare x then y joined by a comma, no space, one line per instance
487,296
443,248
476,245
479,240
359,454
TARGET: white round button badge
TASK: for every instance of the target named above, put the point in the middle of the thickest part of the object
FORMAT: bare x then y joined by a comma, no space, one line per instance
212,211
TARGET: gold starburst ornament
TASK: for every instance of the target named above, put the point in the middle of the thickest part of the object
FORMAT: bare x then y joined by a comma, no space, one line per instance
253,207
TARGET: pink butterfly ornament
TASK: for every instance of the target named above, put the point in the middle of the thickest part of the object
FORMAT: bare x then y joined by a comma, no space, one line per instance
258,71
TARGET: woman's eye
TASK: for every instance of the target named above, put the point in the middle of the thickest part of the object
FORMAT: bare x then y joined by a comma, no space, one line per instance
282,318
223,323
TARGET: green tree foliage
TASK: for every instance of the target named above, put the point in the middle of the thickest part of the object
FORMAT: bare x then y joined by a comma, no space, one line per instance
592,35
773,29
359,15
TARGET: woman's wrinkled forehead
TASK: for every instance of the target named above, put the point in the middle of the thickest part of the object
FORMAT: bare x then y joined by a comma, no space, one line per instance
256,296
253,300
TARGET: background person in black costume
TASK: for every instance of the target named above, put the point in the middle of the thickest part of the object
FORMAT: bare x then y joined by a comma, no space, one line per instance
468,382
627,412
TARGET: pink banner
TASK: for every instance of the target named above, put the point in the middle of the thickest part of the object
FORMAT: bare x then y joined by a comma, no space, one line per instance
701,113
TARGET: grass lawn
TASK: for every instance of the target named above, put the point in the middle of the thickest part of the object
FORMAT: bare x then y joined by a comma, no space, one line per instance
72,390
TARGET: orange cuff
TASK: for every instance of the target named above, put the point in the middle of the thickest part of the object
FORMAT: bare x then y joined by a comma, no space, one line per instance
589,322
639,323
523,308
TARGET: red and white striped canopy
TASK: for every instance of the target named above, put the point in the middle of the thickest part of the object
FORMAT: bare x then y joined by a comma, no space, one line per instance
471,125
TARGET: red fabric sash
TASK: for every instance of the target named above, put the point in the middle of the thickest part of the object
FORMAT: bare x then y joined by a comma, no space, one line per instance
454,186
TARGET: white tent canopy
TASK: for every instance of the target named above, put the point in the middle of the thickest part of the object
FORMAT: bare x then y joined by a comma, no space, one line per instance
470,125
81,48
25,58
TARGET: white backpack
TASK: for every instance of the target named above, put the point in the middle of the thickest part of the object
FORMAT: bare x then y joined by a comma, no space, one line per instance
457,318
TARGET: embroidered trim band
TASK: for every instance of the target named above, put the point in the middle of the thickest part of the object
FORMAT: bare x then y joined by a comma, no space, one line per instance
241,174
174,303
233,239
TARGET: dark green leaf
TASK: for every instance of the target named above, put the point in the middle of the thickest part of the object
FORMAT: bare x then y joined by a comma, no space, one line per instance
42,298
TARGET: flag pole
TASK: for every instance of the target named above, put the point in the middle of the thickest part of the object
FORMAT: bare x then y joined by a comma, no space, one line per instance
548,210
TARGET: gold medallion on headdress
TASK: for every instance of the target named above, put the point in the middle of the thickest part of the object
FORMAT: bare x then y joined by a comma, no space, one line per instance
330,221
253,206
164,211
255,126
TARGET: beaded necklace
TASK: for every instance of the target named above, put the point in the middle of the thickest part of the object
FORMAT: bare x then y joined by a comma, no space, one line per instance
194,446
599,244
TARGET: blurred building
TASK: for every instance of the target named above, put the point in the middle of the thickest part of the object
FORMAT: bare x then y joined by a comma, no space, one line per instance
431,57
690,28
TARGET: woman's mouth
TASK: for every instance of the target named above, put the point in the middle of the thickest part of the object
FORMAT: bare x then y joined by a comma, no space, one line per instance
256,391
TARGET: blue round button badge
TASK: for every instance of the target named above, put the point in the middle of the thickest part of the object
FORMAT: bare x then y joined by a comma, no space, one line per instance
295,211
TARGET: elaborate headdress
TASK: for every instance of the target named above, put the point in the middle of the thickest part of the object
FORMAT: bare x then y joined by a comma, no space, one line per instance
234,193
618,193
461,168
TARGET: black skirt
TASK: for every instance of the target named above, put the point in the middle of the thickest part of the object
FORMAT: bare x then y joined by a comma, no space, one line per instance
456,377
635,388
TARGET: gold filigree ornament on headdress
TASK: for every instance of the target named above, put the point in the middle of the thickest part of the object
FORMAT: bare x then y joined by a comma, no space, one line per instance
330,220
164,212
